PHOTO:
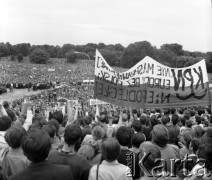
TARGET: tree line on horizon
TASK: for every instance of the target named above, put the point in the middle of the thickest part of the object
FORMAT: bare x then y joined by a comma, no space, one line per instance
171,55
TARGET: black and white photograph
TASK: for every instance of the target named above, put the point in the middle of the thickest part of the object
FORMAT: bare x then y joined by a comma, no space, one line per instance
105,89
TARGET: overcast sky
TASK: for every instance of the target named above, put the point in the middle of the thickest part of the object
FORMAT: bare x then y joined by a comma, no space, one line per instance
57,22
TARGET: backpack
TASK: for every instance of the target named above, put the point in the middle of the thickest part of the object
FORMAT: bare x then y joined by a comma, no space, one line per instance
3,153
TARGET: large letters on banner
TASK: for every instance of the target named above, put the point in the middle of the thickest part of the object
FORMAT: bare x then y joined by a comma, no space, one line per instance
150,84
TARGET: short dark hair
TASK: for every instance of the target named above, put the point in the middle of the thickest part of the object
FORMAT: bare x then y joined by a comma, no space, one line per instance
165,119
87,120
160,135
136,125
50,129
55,123
154,120
115,119
152,154
110,149
166,111
143,120
72,134
175,119
5,123
173,110
188,123
6,104
188,136
14,136
192,113
137,139
186,116
198,119
58,115
11,114
123,135
195,145
36,145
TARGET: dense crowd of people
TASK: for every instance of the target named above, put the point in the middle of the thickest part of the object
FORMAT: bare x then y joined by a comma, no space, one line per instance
57,70
57,134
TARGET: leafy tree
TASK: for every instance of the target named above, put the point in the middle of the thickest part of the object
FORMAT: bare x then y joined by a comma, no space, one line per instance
110,56
119,47
175,48
20,57
191,61
166,57
66,48
181,61
4,51
39,56
71,57
89,48
209,62
136,52
23,49
101,46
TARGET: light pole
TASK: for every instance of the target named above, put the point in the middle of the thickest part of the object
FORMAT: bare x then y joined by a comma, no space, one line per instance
76,52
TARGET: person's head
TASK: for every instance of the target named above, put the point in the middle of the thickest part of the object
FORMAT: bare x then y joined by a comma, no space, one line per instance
87,120
98,132
58,115
173,110
124,117
152,153
153,120
187,137
5,123
198,131
123,135
186,116
51,130
198,119
166,112
194,145
11,114
165,119
38,121
137,139
136,125
103,117
87,151
180,110
110,149
116,119
72,134
207,137
55,123
157,110
175,119
160,135
188,123
6,105
143,120
14,136
36,145
192,113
